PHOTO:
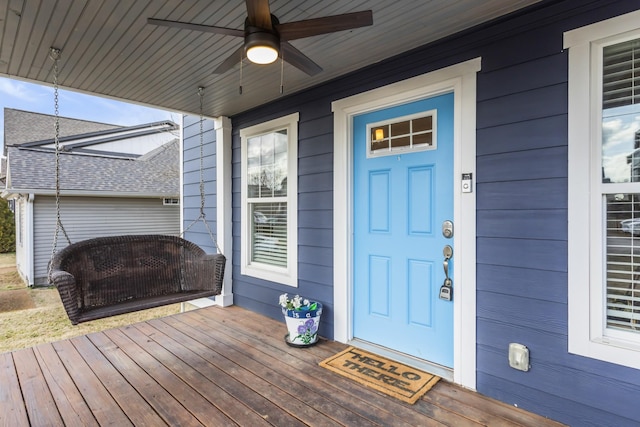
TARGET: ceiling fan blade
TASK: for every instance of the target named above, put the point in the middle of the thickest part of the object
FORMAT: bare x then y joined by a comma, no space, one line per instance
196,27
259,14
324,25
231,60
298,59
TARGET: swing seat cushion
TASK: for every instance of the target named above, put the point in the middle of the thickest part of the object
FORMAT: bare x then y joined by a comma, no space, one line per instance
107,276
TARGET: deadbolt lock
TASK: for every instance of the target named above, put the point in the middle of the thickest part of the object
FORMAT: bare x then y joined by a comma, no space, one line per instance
447,229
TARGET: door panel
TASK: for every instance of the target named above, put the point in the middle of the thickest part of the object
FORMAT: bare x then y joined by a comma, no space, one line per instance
379,285
420,300
379,201
400,202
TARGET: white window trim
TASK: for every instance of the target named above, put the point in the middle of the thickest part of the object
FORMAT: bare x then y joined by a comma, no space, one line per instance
289,275
586,296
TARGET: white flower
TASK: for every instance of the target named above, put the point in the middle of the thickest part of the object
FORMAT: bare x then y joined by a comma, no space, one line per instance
284,299
296,301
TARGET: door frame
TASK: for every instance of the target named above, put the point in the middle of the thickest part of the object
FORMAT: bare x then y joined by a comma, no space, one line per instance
461,80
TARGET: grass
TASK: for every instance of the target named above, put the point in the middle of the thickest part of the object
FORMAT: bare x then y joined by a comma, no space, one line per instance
48,321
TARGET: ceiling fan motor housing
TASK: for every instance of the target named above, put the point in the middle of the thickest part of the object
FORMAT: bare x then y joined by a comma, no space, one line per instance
261,37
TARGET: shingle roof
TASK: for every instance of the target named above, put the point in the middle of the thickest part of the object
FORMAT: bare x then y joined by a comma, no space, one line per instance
155,173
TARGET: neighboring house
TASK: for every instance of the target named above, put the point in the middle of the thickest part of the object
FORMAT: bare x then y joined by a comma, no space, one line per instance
113,181
540,254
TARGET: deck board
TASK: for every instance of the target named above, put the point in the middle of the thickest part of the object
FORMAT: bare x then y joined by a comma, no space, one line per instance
40,405
12,409
71,404
186,367
133,405
90,386
225,359
215,367
298,384
231,379
150,388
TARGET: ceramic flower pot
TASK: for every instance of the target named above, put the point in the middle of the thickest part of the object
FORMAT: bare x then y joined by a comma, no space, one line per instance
302,326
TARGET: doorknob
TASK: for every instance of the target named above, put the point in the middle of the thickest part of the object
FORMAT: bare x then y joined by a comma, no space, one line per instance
446,290
447,251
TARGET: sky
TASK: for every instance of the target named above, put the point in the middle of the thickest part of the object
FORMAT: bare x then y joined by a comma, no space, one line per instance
21,95
619,126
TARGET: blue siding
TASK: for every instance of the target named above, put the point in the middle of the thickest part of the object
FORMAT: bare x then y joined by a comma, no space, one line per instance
191,185
521,202
522,229
531,134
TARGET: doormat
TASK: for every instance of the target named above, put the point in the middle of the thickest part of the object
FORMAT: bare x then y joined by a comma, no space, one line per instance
395,379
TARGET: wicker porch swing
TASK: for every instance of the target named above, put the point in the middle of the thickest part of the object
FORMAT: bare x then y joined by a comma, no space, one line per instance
107,276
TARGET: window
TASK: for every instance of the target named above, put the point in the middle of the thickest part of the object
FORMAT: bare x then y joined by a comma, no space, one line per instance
411,133
269,200
604,190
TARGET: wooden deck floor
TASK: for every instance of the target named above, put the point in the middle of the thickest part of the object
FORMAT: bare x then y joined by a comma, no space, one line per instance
214,367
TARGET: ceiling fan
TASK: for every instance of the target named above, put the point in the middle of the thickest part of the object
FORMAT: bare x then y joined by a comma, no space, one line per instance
266,39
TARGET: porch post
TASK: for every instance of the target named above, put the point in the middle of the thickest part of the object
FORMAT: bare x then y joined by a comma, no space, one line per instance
222,126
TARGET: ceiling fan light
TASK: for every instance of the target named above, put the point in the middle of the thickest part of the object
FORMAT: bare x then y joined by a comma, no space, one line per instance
262,54
261,47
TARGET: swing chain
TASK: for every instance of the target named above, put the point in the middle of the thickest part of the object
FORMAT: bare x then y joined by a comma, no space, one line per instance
54,53
202,193
201,95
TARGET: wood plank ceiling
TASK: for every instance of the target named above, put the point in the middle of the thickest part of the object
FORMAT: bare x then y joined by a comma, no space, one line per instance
109,49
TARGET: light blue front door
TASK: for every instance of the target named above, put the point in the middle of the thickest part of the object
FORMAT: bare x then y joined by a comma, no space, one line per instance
402,196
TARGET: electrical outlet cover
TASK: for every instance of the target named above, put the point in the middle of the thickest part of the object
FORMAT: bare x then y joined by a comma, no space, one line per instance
518,356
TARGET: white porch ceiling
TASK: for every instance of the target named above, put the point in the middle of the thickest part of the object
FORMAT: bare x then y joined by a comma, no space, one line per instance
109,49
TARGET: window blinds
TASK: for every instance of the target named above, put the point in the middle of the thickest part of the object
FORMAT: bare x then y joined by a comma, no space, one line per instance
621,74
269,234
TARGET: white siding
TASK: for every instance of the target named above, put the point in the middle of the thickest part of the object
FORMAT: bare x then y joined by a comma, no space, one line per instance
84,218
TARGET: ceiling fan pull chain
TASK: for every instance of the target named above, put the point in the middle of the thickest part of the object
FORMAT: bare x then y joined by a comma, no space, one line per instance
282,74
241,62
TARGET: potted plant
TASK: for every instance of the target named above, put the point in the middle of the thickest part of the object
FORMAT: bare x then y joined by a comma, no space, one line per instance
303,318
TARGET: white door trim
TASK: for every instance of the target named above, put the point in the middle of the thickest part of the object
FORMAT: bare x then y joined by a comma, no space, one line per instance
461,79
